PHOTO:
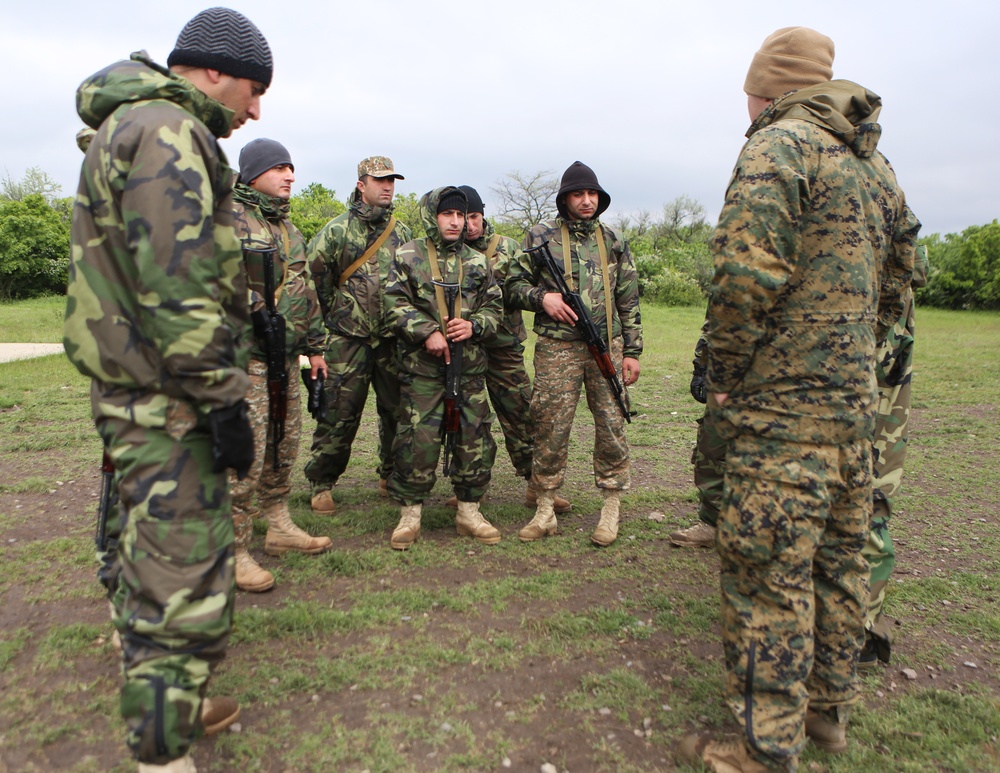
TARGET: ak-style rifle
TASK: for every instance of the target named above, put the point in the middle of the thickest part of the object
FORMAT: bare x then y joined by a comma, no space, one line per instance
451,422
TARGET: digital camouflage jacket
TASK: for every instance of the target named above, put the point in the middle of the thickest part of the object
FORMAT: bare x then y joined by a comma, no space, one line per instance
262,221
813,251
156,298
411,306
527,284
511,328
357,308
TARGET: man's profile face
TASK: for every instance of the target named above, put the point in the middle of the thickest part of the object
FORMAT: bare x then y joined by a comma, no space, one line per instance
241,95
474,225
276,181
756,106
450,224
377,191
582,205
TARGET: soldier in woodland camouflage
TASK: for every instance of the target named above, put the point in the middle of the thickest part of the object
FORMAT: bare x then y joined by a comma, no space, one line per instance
261,212
156,313
414,310
360,346
601,268
893,369
506,379
813,251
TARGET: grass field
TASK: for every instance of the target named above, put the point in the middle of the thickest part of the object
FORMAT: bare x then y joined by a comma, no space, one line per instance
453,656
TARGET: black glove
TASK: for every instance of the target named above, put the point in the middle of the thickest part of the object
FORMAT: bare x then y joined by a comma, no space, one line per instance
698,390
316,402
232,439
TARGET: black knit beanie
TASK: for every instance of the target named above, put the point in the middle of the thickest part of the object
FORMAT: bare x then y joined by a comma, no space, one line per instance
225,40
453,198
475,200
580,177
260,155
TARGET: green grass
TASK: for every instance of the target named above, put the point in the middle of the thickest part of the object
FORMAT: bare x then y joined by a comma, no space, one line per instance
452,656
38,321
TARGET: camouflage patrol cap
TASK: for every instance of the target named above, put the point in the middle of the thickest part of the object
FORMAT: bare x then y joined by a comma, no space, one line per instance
378,166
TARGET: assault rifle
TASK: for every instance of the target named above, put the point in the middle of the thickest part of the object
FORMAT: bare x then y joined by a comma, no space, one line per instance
543,258
269,330
452,386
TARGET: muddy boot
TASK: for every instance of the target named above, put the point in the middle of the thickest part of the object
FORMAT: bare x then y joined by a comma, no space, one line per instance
218,713
408,530
322,503
469,522
283,535
250,576
544,523
559,505
184,765
607,528
826,731
728,754
701,535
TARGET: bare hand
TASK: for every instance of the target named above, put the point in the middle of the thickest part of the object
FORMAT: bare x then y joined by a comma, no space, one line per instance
437,345
459,329
554,305
630,370
318,363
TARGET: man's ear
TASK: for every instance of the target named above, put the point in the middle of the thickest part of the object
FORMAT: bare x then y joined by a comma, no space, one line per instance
214,76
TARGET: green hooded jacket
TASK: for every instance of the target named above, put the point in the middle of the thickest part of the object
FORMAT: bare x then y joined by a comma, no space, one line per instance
411,306
511,330
813,251
357,307
156,299
262,220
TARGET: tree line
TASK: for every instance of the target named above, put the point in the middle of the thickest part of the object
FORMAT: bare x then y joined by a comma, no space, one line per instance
671,246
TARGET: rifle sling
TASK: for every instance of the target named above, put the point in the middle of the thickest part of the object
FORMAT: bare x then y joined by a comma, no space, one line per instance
491,249
376,246
439,291
602,249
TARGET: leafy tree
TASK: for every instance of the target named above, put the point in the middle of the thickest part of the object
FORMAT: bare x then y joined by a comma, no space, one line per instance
34,248
35,181
313,208
406,208
525,199
965,269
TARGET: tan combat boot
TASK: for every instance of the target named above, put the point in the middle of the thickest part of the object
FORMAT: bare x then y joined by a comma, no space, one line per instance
701,535
607,528
559,505
408,530
826,732
219,713
250,576
383,487
322,503
544,523
725,755
469,522
183,765
283,535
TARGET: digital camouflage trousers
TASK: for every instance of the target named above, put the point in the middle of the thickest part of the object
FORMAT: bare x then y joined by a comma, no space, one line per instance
173,604
793,521
263,481
562,368
354,364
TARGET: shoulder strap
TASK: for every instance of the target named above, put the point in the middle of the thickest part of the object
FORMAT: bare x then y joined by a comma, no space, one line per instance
602,248
432,257
369,252
491,248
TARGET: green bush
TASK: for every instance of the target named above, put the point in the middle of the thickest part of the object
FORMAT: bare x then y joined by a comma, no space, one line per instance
672,288
965,269
34,248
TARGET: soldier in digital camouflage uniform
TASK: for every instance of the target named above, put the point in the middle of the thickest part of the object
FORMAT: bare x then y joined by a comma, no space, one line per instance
156,311
893,369
418,314
360,345
506,378
261,208
563,364
813,250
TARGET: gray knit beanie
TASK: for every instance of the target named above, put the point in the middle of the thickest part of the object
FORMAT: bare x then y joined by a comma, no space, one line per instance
260,155
225,40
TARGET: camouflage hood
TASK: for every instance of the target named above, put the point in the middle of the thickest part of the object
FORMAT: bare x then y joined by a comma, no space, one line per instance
843,108
428,214
271,207
139,79
368,212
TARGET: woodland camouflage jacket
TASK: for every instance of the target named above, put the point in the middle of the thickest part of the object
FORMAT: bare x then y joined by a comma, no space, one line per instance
813,250
512,328
357,307
526,283
262,222
156,298
411,306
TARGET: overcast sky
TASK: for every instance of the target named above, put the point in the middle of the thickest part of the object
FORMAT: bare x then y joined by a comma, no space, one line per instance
649,94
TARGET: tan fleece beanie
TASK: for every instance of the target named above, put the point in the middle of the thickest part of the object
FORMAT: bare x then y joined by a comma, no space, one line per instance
791,58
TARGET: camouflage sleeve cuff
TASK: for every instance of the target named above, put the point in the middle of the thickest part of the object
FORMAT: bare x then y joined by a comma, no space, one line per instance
536,297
